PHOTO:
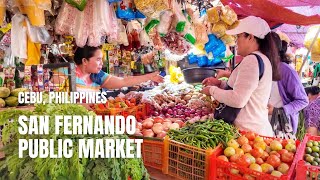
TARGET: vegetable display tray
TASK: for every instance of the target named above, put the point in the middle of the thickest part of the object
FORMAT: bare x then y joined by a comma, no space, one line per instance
188,162
220,169
306,171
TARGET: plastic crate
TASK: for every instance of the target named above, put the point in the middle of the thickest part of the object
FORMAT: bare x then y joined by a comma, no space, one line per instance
153,152
188,162
220,169
306,171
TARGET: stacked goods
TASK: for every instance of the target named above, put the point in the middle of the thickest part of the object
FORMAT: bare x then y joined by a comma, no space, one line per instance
157,126
186,107
204,134
253,156
10,98
308,158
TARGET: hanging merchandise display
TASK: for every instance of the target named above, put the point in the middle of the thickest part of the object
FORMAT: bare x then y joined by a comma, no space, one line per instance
79,4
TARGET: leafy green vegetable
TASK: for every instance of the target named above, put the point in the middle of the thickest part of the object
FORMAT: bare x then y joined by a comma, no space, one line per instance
74,168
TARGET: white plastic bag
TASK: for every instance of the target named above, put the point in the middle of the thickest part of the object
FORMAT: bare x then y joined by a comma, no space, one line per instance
38,34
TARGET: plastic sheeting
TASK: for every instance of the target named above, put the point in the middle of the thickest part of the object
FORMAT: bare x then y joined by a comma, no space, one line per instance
273,13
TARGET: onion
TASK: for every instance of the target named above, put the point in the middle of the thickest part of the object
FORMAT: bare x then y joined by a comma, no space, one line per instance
192,111
157,128
155,113
147,124
139,126
179,122
170,111
174,126
158,120
148,133
192,115
187,113
138,134
179,112
174,113
162,134
166,125
168,115
137,131
164,110
182,116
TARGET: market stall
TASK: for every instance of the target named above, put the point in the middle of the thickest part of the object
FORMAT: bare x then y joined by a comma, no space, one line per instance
185,41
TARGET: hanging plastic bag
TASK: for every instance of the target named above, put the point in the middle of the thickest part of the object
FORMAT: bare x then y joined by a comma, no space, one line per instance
312,31
145,39
44,4
38,34
281,124
165,22
201,34
125,10
122,35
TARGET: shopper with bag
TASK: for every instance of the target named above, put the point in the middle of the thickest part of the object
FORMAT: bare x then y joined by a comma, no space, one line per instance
287,98
244,98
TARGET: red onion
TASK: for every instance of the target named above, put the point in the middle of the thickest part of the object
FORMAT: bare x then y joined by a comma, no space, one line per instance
170,111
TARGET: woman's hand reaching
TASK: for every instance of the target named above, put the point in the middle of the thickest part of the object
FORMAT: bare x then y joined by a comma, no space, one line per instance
156,77
211,81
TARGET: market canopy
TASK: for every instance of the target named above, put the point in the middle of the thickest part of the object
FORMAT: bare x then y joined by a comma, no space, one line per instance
275,11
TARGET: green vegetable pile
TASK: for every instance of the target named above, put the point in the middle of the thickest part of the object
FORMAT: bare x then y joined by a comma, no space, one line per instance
207,134
74,168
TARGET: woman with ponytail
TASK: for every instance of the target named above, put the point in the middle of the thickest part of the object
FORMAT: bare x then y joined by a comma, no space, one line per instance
248,89
287,94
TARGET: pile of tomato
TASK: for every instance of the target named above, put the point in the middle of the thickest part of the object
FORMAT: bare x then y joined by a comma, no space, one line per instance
267,155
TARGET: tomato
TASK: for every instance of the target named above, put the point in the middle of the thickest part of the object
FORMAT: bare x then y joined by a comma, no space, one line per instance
282,151
261,144
265,156
242,140
274,153
250,136
235,157
257,152
223,158
274,161
267,141
287,157
259,161
239,151
246,148
244,161
284,143
251,143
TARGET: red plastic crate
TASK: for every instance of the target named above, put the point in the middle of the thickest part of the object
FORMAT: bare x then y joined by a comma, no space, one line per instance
220,169
306,171
153,152
188,162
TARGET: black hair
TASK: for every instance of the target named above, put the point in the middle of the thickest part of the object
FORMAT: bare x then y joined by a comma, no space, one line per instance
86,52
268,47
282,47
313,90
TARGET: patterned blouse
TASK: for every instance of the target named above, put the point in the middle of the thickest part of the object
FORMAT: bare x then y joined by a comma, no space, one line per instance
312,114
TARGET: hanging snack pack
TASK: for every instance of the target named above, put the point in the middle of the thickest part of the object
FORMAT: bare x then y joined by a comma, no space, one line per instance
9,73
219,29
2,11
228,15
27,77
125,10
151,8
213,15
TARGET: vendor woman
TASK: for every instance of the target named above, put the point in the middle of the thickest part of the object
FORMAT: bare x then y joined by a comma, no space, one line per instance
90,77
